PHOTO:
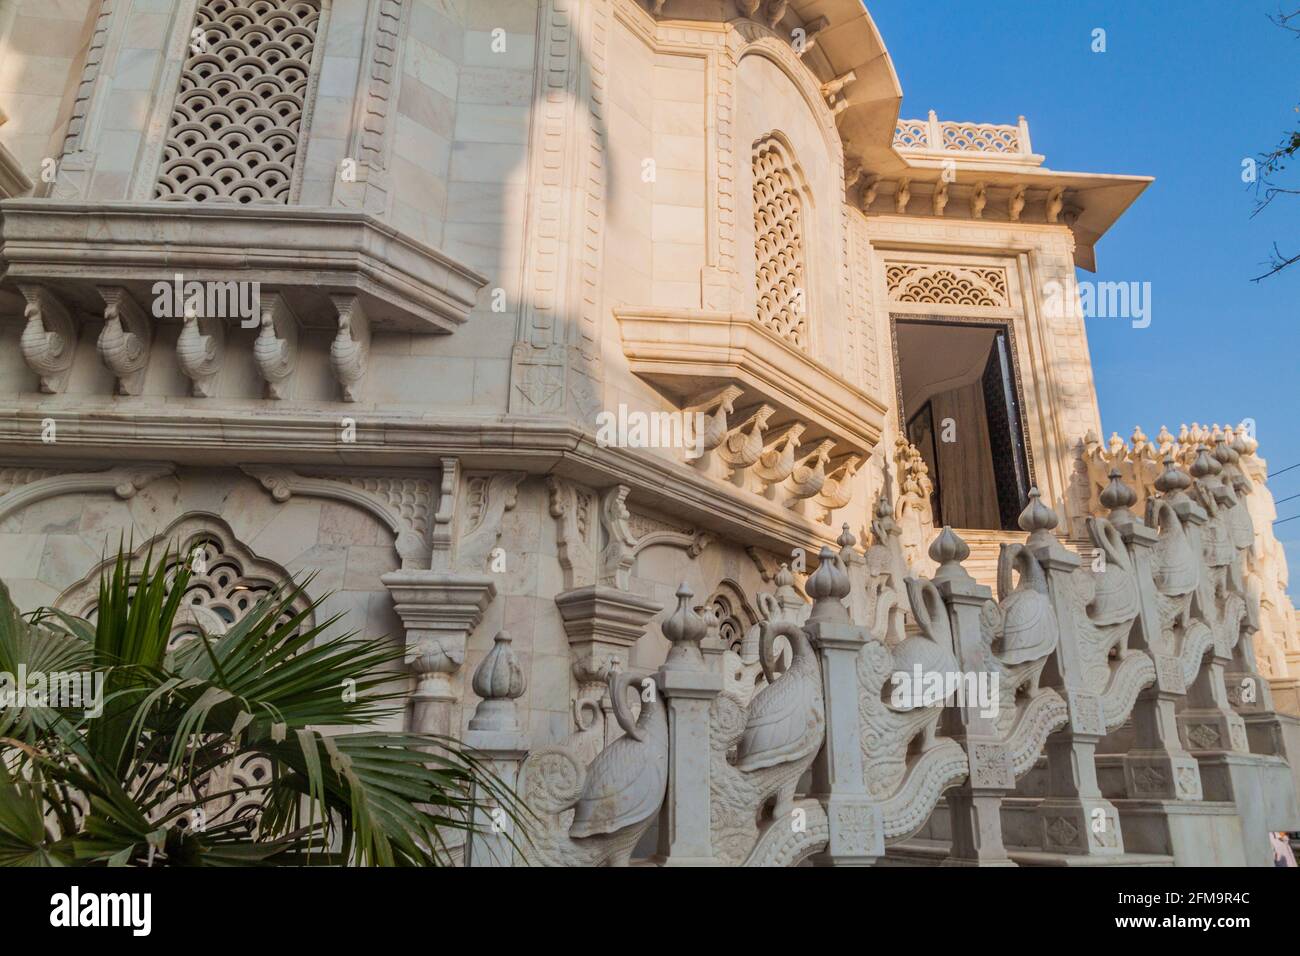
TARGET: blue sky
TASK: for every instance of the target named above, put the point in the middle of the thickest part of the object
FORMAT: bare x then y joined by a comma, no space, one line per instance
1184,92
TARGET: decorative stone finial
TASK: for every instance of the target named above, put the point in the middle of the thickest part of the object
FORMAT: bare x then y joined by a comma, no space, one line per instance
686,630
950,551
1117,497
828,586
1224,453
1246,439
712,624
846,541
1173,481
784,576
949,548
499,680
1204,466
1036,516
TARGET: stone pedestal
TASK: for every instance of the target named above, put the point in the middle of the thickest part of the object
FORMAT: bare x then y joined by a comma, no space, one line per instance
688,688
1262,790
1198,833
856,828
975,807
685,837
495,732
505,751
439,610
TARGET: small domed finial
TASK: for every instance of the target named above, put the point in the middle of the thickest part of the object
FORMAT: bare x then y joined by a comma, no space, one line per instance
828,586
1204,466
1037,516
948,548
1246,437
1224,453
499,680
846,541
950,551
1117,497
686,629
1173,481
784,576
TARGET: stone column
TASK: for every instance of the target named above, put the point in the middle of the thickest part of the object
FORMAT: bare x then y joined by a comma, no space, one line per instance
689,687
975,806
1076,818
495,732
439,610
857,835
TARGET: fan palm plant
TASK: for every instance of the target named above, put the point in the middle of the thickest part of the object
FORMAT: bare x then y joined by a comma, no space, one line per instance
148,780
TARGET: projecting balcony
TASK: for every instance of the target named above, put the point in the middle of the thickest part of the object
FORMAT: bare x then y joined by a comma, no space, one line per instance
779,423
304,268
305,253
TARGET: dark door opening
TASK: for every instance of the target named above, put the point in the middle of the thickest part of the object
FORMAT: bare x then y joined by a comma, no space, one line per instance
961,407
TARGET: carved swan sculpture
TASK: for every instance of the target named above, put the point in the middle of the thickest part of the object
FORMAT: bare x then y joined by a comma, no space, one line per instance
1027,630
779,719
1174,564
627,781
1116,597
931,650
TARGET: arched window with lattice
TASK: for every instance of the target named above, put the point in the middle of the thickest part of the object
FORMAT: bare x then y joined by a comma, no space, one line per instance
226,583
780,214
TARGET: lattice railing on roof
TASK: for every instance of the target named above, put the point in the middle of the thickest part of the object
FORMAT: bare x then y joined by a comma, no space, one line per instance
950,136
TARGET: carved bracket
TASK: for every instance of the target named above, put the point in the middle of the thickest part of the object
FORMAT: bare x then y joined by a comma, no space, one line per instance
577,530
448,492
275,351
619,552
350,350
200,350
49,339
125,340
487,499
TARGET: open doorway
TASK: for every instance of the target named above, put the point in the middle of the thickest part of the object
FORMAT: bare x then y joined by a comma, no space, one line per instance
960,406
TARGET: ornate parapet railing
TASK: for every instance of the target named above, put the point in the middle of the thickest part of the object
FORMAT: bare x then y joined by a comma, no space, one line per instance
1140,461
896,688
932,135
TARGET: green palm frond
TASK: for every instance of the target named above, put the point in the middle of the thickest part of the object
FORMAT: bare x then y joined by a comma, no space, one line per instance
130,787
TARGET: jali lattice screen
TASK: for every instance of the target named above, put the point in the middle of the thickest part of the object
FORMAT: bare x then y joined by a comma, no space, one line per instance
235,131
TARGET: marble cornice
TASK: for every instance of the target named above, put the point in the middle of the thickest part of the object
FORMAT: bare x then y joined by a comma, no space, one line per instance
538,447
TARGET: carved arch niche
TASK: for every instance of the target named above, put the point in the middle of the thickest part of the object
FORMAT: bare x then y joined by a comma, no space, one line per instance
227,581
227,578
